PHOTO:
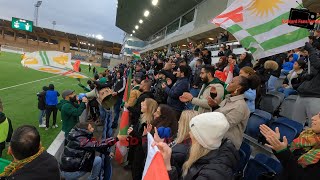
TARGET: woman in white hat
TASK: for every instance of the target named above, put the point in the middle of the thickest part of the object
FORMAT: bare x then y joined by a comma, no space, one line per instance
211,156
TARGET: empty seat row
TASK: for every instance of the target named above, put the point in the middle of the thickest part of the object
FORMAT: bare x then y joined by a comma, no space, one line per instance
254,168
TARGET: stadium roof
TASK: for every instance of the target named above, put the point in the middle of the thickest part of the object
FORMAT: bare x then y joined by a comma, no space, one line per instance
130,12
312,5
103,46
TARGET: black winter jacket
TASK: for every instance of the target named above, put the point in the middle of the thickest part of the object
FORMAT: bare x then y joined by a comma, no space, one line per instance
79,153
311,86
42,100
217,164
180,153
292,170
159,94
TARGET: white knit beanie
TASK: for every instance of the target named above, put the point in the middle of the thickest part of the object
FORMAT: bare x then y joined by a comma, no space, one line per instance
209,129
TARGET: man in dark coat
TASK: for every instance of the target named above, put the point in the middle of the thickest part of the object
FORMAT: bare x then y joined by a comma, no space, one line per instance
31,161
42,105
307,104
182,85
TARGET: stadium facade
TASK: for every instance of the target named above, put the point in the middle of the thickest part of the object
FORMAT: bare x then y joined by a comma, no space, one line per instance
175,23
81,47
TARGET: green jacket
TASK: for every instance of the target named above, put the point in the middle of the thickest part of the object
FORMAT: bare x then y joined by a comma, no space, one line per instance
70,113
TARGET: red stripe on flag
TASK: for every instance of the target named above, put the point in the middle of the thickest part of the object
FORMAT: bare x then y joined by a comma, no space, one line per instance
235,15
157,170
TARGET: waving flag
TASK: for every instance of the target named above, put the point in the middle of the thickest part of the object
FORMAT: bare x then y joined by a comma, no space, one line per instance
54,62
121,149
259,26
154,168
136,55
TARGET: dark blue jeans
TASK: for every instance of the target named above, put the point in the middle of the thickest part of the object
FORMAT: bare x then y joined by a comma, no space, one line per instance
106,118
116,108
287,91
107,168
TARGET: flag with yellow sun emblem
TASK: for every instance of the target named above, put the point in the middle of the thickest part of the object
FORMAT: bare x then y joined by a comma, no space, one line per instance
259,26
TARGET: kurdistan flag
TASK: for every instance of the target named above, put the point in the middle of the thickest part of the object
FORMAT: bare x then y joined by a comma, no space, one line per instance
136,55
121,145
258,25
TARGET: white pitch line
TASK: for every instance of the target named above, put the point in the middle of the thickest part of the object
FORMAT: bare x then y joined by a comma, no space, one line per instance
27,83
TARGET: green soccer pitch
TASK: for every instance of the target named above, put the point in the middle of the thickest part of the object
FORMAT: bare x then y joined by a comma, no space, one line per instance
18,92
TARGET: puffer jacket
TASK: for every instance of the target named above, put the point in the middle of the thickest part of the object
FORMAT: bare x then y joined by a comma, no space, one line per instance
217,164
311,86
79,153
180,153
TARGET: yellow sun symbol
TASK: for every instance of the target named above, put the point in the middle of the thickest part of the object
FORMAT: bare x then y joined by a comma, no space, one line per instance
264,7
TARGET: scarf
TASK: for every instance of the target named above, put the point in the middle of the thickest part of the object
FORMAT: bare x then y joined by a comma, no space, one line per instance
16,165
310,142
204,86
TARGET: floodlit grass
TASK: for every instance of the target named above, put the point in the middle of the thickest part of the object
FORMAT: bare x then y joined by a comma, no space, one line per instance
21,103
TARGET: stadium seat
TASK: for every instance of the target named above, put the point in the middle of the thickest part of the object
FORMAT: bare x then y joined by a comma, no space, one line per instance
298,126
255,168
270,162
287,106
258,118
245,153
263,114
271,101
285,130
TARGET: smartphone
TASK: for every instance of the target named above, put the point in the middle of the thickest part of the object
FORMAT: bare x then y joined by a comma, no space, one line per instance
213,95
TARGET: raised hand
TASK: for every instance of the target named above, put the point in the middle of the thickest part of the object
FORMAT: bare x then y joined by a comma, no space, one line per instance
266,131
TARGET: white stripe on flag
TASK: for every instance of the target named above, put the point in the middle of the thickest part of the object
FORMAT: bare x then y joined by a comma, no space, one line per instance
151,153
278,31
241,34
283,48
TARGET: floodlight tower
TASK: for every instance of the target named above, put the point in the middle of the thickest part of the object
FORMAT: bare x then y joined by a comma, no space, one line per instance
54,23
36,11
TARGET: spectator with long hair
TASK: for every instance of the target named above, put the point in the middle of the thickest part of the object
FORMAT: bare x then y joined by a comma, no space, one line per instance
222,63
245,60
148,107
181,145
165,116
211,156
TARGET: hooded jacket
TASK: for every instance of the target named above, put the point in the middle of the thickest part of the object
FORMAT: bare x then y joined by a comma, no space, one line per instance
70,113
288,66
217,164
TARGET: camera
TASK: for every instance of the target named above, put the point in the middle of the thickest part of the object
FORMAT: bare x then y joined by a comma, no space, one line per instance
302,18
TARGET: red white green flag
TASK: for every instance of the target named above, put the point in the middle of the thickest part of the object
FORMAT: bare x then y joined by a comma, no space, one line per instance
121,145
260,26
